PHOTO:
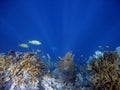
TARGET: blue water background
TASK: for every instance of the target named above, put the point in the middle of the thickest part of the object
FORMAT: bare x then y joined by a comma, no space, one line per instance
79,26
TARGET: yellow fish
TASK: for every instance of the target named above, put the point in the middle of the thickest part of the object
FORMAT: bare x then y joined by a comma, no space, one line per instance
23,45
35,42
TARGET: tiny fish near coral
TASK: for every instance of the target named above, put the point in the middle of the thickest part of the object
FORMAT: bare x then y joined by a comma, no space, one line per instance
34,42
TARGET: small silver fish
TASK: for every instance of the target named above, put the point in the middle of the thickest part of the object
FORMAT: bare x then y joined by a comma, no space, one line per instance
99,46
81,55
107,46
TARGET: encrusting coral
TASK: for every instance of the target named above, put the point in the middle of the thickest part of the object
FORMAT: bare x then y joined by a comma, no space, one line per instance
50,83
105,72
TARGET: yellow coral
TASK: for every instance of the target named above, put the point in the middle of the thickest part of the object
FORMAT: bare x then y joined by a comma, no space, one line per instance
21,70
105,72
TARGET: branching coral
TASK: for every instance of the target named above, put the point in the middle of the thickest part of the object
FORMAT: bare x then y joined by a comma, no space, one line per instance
105,72
5,62
66,68
66,63
24,72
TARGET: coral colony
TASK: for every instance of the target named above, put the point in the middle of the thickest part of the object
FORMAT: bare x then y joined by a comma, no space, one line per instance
29,71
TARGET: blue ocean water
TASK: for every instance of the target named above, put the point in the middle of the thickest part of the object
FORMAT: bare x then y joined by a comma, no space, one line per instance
80,26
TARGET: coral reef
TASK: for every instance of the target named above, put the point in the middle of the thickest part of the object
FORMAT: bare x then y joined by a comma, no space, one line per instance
30,71
22,72
105,72
50,83
66,62
5,62
67,68
63,77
